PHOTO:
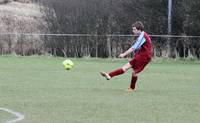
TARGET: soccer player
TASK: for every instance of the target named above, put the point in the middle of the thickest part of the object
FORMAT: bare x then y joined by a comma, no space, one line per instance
142,50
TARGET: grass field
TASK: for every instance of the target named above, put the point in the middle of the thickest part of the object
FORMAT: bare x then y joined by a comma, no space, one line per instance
40,89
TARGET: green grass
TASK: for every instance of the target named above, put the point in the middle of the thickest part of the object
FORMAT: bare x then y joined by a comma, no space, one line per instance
39,88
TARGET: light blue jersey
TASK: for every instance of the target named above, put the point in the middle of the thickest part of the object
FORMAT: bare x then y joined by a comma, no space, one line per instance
139,42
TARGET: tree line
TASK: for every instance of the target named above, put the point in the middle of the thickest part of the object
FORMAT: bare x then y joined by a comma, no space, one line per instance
102,17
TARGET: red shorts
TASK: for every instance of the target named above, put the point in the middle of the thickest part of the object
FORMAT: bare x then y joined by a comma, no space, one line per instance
138,63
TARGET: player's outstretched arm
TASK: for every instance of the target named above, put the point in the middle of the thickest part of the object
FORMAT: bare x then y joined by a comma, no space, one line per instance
130,50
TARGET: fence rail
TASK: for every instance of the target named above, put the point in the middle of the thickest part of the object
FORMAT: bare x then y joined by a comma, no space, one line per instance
94,35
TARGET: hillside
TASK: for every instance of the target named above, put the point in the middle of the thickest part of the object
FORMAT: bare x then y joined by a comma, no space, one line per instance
20,17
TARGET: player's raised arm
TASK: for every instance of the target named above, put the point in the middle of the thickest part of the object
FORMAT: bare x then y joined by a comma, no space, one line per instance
139,42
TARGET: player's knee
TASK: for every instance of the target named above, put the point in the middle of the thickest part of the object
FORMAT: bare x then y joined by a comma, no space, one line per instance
133,73
124,69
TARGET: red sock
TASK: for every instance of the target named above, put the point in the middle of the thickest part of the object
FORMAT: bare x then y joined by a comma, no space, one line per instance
133,82
116,72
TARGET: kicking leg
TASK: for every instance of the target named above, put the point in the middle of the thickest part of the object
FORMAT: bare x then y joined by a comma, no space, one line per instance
116,72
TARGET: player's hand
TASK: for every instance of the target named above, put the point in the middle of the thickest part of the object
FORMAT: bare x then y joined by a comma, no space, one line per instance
121,55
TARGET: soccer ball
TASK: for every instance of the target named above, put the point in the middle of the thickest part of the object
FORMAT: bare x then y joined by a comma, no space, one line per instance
68,64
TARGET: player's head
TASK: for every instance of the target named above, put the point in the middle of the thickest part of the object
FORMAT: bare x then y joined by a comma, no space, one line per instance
137,27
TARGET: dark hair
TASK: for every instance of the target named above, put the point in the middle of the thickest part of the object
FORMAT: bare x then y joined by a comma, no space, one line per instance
138,25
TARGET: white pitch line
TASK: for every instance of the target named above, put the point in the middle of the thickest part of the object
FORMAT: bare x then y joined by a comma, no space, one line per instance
17,114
